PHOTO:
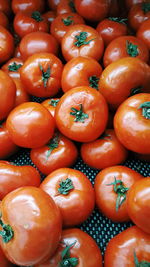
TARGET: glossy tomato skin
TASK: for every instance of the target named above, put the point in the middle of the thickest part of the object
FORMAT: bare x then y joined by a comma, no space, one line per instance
7,146
120,48
27,5
5,6
37,42
7,93
130,3
84,245
138,204
104,152
93,47
78,203
92,10
61,24
122,78
120,249
4,20
6,44
3,260
64,155
109,30
79,71
51,104
143,32
13,177
30,125
21,94
131,127
105,195
31,213
49,16
12,67
27,22
92,106
137,15
65,6
53,4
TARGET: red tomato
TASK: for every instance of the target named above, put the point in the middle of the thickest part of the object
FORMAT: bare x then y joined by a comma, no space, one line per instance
125,46
123,78
30,125
3,260
28,5
104,152
78,114
129,248
111,28
59,152
93,10
12,67
81,71
26,22
41,74
137,14
7,93
111,187
30,213
49,16
132,123
138,204
72,192
13,177
17,52
82,40
78,245
143,32
5,6
37,42
130,3
4,20
51,104
65,6
53,4
21,94
62,23
7,146
6,45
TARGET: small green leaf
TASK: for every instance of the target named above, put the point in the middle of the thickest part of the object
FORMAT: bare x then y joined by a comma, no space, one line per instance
119,20
68,21
145,109
81,39
53,143
53,102
45,74
66,252
65,186
132,49
140,264
14,67
79,114
7,233
93,81
37,16
68,261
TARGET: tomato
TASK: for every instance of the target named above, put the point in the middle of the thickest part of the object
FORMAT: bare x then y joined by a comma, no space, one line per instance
13,177
111,187
125,46
138,204
41,74
7,93
5,6
51,104
114,8
53,4
30,213
143,32
12,67
137,14
27,5
37,42
104,152
17,52
49,16
30,125
6,45
130,3
7,146
59,152
93,10
81,71
21,94
4,20
111,28
82,40
73,249
129,248
132,123
78,114
3,260
62,23
65,6
124,78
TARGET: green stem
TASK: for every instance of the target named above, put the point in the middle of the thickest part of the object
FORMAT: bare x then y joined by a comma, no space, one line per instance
66,259
132,49
93,81
53,143
45,74
7,233
145,109
68,21
81,39
65,186
146,7
119,20
14,67
53,102
79,114
140,264
37,16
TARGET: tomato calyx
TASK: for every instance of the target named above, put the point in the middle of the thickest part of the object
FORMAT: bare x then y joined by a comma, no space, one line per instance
120,190
145,109
53,143
119,20
7,233
93,81
37,16
79,114
136,90
81,39
45,74
14,67
132,49
140,264
68,21
53,102
145,7
68,261
65,186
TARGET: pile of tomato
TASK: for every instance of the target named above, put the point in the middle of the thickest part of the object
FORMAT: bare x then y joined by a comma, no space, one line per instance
86,62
